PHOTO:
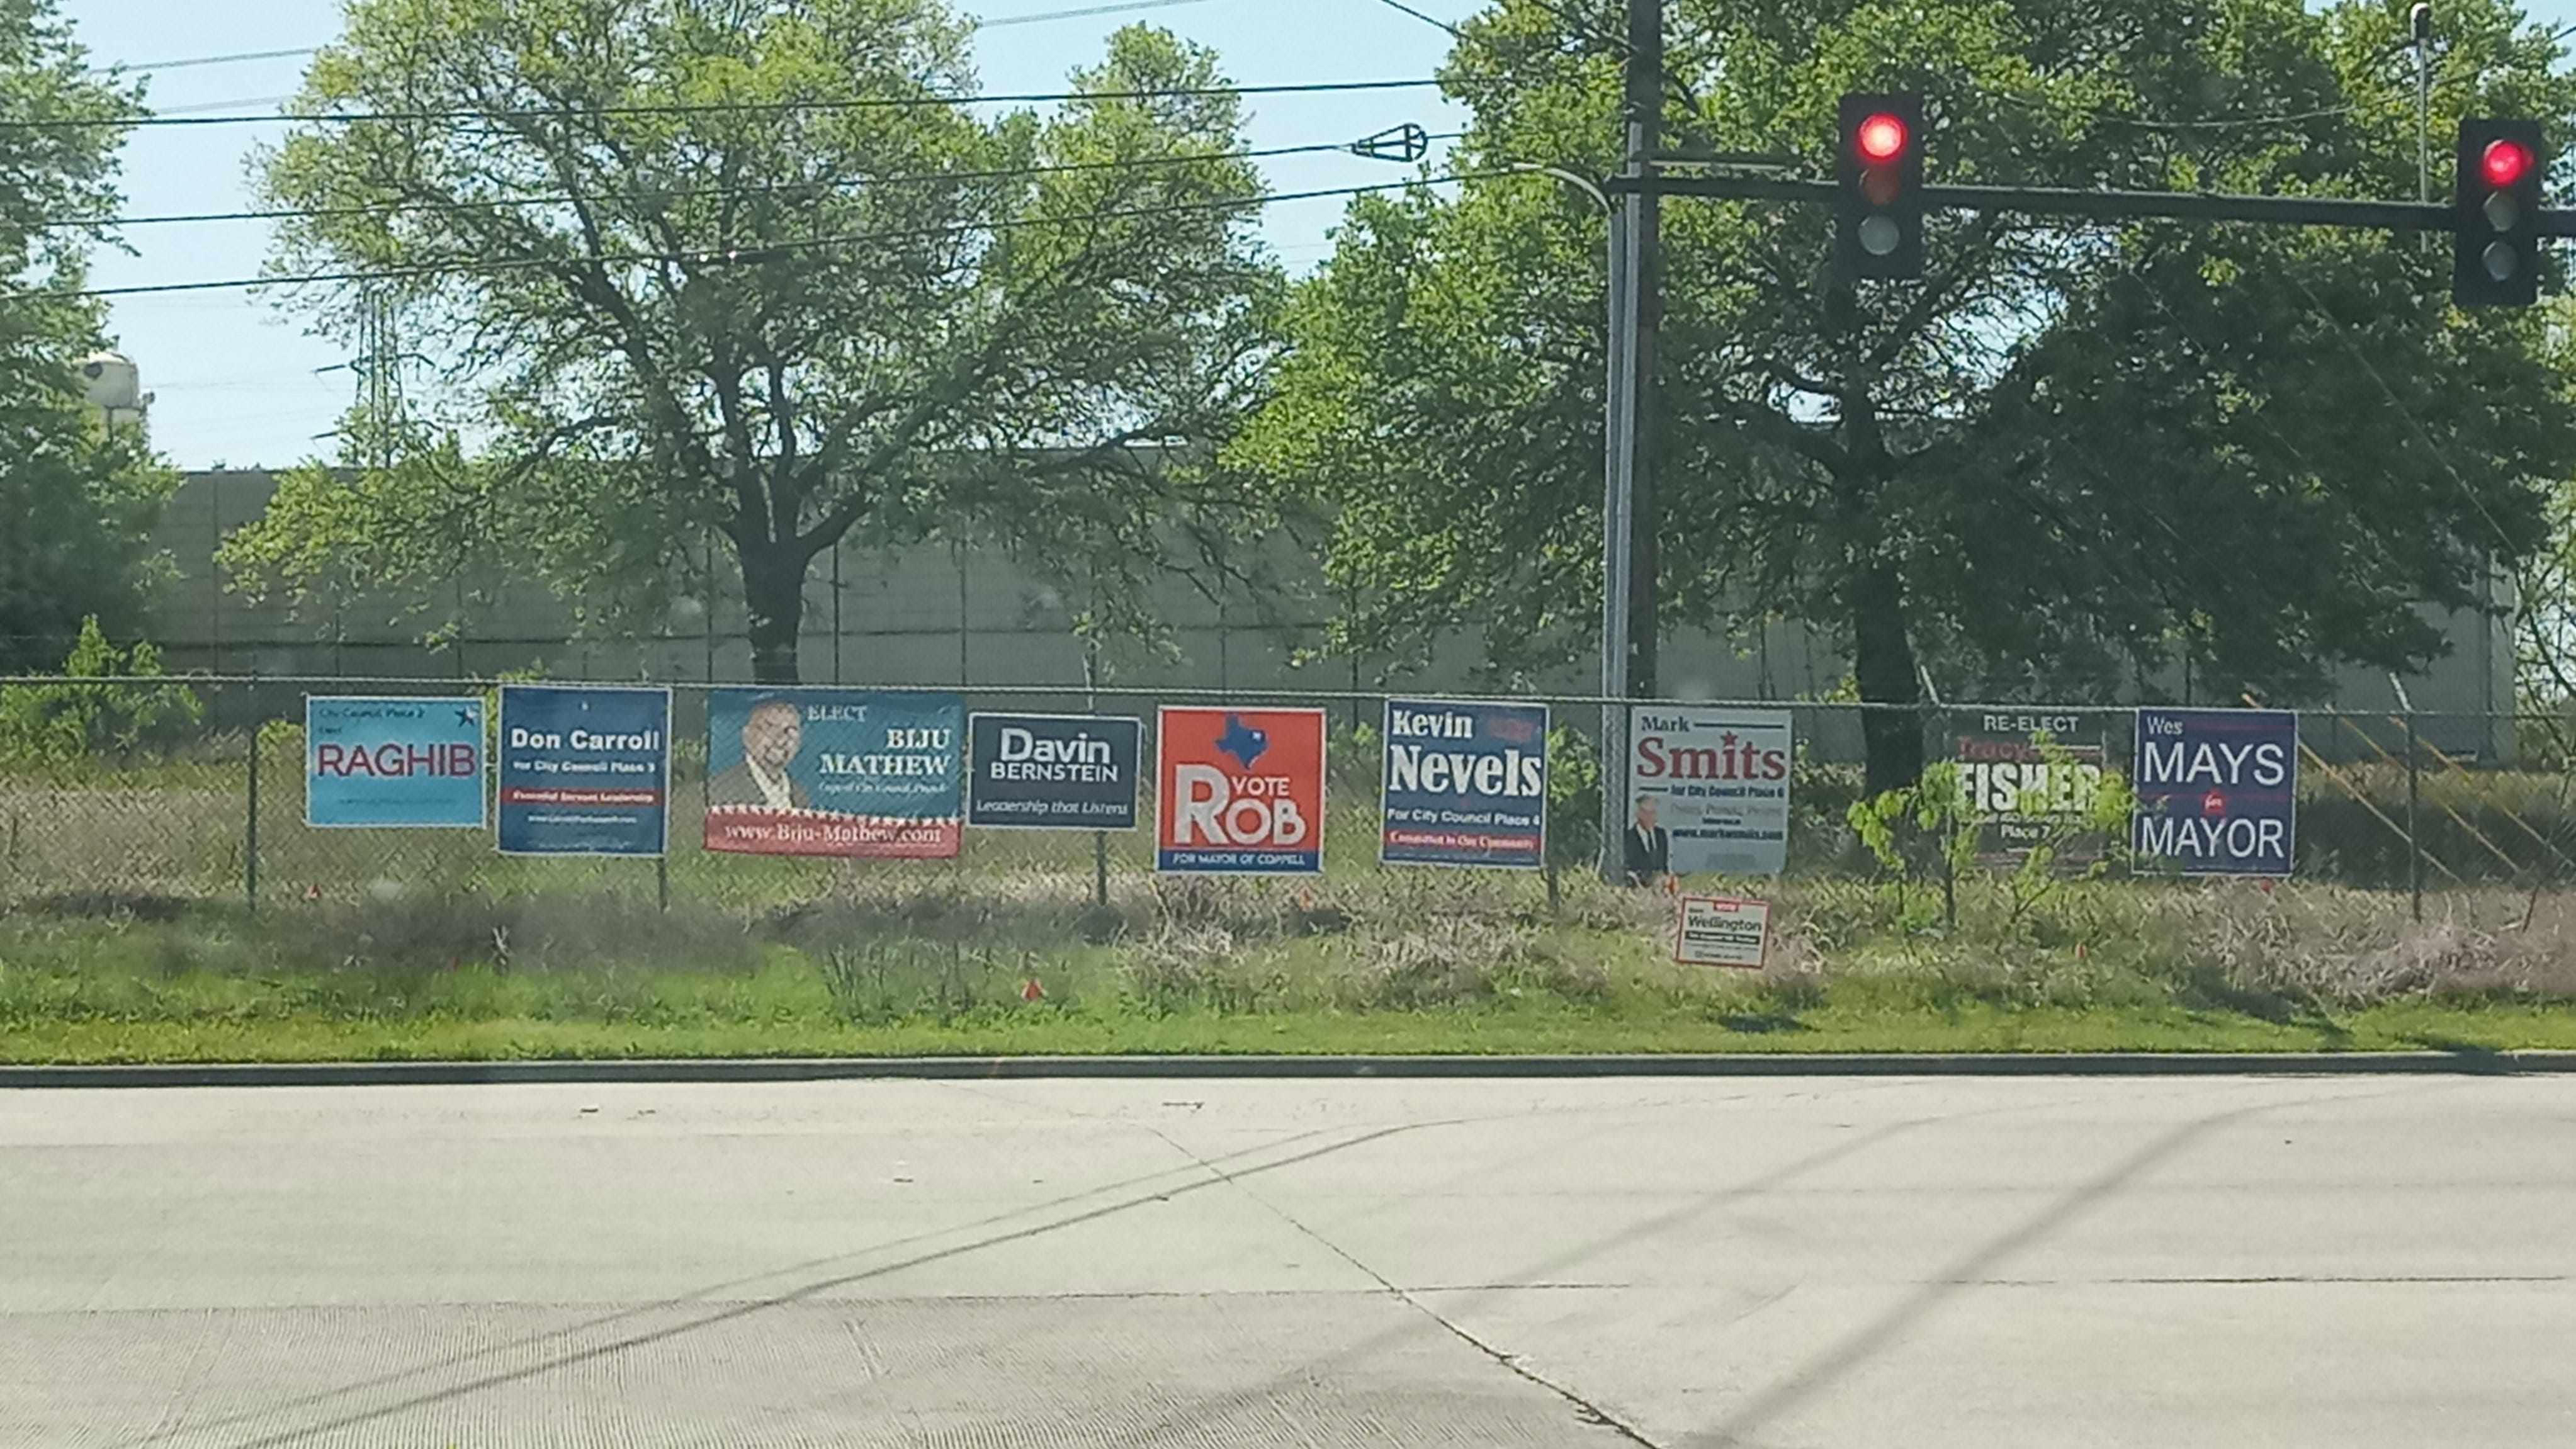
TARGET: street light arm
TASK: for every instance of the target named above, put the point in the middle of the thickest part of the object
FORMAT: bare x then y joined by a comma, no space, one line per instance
1578,181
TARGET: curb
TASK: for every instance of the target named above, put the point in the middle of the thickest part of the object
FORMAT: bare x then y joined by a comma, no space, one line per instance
815,1069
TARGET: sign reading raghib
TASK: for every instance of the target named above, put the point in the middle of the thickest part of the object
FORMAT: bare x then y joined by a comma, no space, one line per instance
2218,789
1053,772
1709,791
853,774
1239,791
395,762
1464,783
585,770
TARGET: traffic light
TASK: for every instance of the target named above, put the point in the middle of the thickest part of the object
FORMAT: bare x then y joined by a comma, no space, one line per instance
2496,251
1878,210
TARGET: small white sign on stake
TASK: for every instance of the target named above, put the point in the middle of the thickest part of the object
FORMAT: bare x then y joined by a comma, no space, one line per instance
1719,931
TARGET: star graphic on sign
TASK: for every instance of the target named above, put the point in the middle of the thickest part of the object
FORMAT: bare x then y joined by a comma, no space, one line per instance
466,715
1242,741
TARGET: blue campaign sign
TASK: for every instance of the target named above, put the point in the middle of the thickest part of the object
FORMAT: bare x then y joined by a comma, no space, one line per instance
1464,784
2217,789
393,762
834,772
1053,772
585,771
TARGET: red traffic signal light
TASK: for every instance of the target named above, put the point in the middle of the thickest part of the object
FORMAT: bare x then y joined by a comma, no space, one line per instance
2505,162
2495,214
1878,210
1882,137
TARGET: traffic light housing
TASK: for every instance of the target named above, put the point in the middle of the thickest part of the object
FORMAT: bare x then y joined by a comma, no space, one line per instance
2496,248
1878,204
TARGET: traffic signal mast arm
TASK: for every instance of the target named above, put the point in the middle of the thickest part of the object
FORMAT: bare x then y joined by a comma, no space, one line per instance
2103,205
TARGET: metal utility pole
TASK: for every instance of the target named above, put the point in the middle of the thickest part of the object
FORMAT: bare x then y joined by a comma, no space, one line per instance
1628,514
2420,22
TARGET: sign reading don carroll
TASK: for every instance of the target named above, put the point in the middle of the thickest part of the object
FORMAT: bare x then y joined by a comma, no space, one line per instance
1464,784
834,772
585,771
393,762
1052,772
1709,791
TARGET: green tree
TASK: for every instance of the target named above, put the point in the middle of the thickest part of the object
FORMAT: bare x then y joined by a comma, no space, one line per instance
703,269
78,500
2071,460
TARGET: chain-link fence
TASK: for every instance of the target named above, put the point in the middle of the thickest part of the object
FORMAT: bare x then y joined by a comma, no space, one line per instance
180,790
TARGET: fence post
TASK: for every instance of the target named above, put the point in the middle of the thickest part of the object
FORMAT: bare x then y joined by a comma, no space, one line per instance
2414,795
250,815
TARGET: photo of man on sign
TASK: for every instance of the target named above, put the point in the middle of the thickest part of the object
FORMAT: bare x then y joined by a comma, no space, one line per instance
771,735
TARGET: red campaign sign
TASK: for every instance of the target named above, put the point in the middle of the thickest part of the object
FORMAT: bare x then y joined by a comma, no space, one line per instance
1239,791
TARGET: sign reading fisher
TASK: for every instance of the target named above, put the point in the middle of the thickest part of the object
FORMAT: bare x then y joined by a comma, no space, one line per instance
1464,784
1053,772
585,771
1239,791
856,774
414,762
2217,789
2031,795
1709,791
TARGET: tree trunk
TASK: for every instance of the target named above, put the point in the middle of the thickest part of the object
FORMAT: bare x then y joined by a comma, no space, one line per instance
1883,665
773,589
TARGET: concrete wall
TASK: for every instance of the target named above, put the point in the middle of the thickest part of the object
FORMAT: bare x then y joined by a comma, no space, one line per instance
941,616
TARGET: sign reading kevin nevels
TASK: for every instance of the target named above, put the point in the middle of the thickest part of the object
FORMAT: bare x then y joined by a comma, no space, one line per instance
1052,772
1464,783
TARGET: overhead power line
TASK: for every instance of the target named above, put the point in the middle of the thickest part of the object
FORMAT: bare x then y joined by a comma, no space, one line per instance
1084,13
198,60
693,193
752,255
731,108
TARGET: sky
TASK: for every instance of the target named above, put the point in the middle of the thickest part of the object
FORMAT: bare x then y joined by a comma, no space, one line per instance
238,384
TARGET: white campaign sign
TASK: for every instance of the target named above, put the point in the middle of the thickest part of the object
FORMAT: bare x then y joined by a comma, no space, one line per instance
1715,931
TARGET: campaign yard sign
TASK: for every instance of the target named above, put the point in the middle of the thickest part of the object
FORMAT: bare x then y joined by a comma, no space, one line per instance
585,771
1709,791
1239,791
1719,931
2027,795
1052,772
1464,784
854,774
2217,789
400,763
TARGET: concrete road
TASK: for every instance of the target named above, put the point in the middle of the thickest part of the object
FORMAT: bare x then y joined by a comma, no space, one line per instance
1829,1262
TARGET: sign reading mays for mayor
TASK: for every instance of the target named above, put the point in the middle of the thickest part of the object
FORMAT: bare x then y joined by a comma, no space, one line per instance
393,762
1709,790
1464,784
1052,772
837,772
2218,789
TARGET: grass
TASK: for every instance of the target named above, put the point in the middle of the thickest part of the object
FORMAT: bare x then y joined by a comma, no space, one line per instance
1374,963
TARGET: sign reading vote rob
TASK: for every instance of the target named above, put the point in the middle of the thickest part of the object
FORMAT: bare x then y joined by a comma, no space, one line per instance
1239,791
393,762
1464,784
2217,789
1053,772
584,771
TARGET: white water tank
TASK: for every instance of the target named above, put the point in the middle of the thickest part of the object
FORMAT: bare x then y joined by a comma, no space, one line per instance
114,385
